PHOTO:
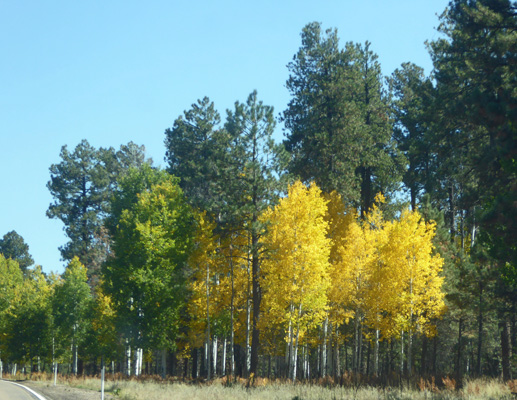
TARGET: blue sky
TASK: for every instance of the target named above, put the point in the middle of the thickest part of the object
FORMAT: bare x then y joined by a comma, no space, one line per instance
118,71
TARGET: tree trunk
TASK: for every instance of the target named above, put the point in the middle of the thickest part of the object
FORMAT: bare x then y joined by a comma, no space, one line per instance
435,353
207,339
376,354
295,354
164,363
248,331
337,369
360,358
402,353
214,357
128,359
423,367
248,314
324,349
194,363
257,297
138,362
410,353
480,329
506,350
223,361
368,354
232,311
459,354
289,349
366,191
452,212
355,353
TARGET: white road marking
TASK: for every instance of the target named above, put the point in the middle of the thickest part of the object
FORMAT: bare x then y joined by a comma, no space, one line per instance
38,396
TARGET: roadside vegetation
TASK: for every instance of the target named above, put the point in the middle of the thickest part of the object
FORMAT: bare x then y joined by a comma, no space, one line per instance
156,388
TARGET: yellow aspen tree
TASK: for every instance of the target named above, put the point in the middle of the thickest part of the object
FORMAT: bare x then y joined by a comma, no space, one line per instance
356,269
379,288
235,291
339,218
202,307
295,277
103,330
413,270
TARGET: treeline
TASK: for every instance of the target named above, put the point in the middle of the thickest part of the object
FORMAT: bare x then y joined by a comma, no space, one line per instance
252,258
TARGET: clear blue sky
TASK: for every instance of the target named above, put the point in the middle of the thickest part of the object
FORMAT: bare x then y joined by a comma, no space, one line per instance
118,71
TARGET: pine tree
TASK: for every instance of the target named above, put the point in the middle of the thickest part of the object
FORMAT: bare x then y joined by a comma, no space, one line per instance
255,166
338,126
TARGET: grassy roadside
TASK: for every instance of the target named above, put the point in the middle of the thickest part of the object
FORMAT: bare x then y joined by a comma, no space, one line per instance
153,388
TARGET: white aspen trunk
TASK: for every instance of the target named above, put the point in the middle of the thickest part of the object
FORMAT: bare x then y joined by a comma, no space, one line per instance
303,362
248,332
128,359
223,365
214,352
232,310
289,349
207,344
75,351
330,351
295,357
324,349
355,356
402,353
14,369
295,353
141,361
308,363
138,362
473,232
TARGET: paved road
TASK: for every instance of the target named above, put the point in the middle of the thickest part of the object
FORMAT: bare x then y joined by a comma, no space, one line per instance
11,391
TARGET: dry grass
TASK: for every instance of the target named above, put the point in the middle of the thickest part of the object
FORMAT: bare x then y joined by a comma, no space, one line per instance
154,388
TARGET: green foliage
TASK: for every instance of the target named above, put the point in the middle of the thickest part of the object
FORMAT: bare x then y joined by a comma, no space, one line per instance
13,246
151,243
197,148
28,326
70,304
11,279
81,185
413,94
476,75
339,131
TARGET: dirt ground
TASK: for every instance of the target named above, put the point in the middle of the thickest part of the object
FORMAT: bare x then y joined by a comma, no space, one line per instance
62,392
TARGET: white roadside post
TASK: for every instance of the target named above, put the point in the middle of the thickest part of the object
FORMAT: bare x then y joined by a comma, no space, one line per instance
102,381
55,373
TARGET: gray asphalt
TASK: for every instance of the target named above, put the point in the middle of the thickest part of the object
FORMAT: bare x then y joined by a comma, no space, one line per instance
10,391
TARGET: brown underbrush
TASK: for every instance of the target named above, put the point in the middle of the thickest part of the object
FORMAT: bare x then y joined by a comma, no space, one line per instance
347,387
